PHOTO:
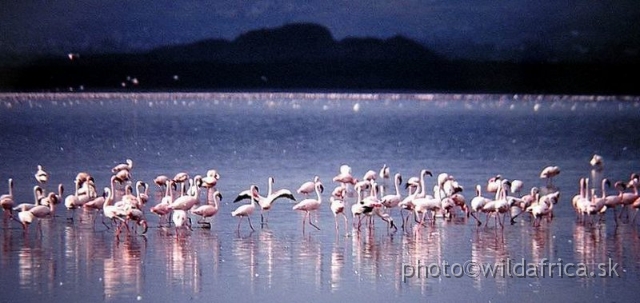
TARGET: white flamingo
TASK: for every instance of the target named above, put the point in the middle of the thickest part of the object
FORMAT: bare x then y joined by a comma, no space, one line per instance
248,209
477,203
392,200
337,208
267,202
41,176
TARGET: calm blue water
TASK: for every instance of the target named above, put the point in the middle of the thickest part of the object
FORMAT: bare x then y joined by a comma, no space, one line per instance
293,137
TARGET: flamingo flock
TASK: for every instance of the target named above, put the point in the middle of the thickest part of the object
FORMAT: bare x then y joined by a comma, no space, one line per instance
122,204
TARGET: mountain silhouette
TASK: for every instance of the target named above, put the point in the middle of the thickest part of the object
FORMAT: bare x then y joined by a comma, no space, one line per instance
297,42
306,56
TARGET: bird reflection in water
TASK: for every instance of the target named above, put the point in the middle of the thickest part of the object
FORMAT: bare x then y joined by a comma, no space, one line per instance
593,246
422,248
182,264
269,252
34,268
489,248
337,263
310,259
245,250
123,272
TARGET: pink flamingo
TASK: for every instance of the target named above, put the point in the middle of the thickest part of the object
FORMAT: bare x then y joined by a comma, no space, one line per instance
208,210
309,205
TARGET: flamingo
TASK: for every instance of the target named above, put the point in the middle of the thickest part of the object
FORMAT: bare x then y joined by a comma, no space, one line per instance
493,184
597,162
309,205
161,180
516,187
384,172
208,210
128,165
267,202
392,200
83,177
339,192
248,209
370,175
345,177
6,200
425,204
96,204
500,205
525,201
26,217
162,209
186,202
612,201
477,203
110,210
549,173
41,176
337,208
539,208
143,196
180,219
598,203
360,208
181,178
308,187
48,199
210,180
136,215
123,176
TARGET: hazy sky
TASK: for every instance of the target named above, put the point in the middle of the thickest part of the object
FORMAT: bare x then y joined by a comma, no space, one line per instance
57,25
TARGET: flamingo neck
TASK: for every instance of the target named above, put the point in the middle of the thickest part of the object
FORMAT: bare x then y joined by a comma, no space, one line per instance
397,187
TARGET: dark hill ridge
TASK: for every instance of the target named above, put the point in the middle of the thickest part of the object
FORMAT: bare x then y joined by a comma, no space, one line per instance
298,42
306,57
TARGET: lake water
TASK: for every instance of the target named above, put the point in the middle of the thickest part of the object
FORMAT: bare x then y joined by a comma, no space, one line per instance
248,137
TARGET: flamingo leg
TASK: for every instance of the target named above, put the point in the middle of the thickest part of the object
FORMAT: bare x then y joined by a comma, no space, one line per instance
311,221
249,219
474,216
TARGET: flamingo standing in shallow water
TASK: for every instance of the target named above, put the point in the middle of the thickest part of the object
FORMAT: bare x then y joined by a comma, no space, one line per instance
337,208
208,210
26,217
477,203
248,209
309,205
392,200
549,173
162,209
41,176
267,202
6,200
180,219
